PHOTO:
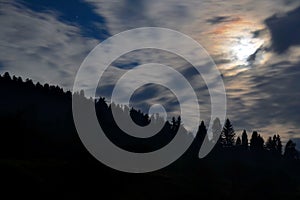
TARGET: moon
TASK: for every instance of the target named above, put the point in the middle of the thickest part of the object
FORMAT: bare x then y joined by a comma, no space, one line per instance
243,49
239,45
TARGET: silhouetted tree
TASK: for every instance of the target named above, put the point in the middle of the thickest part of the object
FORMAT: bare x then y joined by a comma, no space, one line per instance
260,143
256,142
228,134
6,76
15,79
81,93
178,121
46,87
238,142
270,145
245,140
39,86
278,145
202,131
253,141
173,122
20,80
274,145
216,130
290,152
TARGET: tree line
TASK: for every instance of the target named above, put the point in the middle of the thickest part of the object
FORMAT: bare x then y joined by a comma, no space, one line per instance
229,141
34,111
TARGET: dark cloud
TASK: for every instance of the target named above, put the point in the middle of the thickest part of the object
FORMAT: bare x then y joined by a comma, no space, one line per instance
252,57
126,65
259,33
285,30
220,19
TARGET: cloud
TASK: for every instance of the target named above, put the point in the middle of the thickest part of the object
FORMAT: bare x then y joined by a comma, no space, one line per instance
190,16
37,45
148,95
128,14
257,96
252,57
266,98
285,30
221,19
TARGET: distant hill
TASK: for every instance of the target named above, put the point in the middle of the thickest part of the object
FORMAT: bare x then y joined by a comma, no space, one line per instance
41,155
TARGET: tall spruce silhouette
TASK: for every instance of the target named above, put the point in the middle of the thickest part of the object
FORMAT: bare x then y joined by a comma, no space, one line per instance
228,134
290,152
245,144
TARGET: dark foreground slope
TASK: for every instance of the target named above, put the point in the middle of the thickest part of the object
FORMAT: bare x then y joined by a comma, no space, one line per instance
41,156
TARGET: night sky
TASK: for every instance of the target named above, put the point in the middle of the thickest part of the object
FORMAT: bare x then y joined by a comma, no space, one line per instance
255,45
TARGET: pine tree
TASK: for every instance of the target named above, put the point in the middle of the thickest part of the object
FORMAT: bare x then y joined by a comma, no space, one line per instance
6,76
290,151
228,134
245,140
196,145
278,146
274,145
202,131
260,143
270,145
256,142
216,130
238,142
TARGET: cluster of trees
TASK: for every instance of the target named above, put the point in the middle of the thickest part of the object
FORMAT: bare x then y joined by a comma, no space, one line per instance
227,139
36,121
28,83
37,132
47,109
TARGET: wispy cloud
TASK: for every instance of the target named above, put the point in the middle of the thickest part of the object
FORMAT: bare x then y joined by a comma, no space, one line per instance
39,46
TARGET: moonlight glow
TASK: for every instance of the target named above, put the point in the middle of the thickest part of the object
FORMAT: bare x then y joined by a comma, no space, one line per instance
239,45
244,48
